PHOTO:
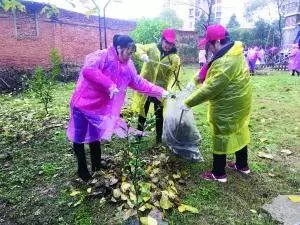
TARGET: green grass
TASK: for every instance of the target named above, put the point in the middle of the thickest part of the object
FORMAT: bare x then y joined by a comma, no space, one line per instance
37,165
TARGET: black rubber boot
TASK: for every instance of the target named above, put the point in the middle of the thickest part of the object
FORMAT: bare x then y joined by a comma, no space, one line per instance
95,155
82,171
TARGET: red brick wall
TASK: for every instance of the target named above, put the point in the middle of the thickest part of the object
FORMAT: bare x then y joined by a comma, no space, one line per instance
25,42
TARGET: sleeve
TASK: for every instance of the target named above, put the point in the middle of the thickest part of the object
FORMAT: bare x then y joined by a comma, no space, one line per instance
143,86
142,49
212,86
92,70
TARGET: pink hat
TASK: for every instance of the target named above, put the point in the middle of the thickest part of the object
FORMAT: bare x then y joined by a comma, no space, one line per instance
169,35
213,33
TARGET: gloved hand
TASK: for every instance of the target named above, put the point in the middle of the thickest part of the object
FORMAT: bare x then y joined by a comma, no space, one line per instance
190,86
167,95
184,107
145,58
113,91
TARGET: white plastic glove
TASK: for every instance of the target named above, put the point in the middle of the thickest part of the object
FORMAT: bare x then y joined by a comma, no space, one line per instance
167,95
184,107
190,86
113,91
145,58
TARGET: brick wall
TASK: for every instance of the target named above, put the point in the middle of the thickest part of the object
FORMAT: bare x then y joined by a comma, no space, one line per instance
26,39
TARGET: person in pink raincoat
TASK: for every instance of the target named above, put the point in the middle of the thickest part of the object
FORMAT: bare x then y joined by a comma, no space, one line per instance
252,56
98,97
294,59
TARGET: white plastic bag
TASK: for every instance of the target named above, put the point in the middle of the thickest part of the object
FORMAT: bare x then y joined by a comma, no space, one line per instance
180,132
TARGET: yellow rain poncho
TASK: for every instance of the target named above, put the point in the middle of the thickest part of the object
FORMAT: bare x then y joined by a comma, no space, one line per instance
228,90
161,75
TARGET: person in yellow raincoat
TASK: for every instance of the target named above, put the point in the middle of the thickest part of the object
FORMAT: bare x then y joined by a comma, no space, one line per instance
161,67
227,89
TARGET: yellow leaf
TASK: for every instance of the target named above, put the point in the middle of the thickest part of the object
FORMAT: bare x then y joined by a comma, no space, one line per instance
129,213
117,193
89,190
132,197
148,221
294,198
125,186
74,193
164,201
176,176
124,197
265,155
183,208
156,171
78,203
146,198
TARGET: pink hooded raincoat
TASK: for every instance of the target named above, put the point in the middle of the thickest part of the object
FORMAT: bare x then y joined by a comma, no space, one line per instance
94,115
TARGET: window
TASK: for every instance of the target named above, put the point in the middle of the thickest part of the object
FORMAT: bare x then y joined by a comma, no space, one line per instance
191,12
191,25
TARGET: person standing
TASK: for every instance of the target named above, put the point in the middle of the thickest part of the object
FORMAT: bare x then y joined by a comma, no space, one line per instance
161,67
98,97
227,89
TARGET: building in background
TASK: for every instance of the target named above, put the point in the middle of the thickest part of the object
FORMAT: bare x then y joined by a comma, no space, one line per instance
224,9
187,10
291,29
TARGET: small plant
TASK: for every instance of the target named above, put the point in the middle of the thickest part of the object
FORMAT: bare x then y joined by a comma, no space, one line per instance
42,87
42,84
55,61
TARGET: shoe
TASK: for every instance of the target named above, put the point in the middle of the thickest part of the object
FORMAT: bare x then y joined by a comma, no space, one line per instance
233,166
210,176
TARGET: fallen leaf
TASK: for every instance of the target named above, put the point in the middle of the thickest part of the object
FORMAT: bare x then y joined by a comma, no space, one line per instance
154,179
37,212
129,213
286,151
176,176
117,193
74,193
148,221
156,163
156,171
164,201
132,197
294,198
265,155
124,197
78,203
113,200
183,208
271,174
253,211
113,180
125,186
130,204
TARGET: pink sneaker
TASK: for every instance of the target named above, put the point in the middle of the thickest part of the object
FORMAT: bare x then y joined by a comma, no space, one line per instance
233,166
210,176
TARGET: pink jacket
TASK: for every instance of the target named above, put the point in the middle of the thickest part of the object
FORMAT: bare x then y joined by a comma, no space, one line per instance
253,54
101,71
294,59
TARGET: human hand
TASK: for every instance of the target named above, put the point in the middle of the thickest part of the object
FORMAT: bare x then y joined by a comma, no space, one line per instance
167,95
184,107
145,58
113,91
190,86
